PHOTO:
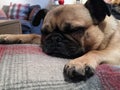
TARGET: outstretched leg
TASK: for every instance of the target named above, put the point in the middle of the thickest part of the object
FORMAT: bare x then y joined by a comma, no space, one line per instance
20,38
83,67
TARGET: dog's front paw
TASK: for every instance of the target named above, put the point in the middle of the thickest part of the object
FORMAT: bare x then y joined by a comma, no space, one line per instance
4,39
9,39
78,70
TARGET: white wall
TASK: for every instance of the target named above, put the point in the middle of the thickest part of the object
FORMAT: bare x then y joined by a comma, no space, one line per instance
42,3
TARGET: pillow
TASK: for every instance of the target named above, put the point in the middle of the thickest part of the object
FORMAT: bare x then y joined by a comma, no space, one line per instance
5,8
33,12
2,14
18,11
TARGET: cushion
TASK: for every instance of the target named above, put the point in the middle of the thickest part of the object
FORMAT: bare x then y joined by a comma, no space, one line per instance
26,26
5,8
18,11
37,29
26,67
33,11
2,15
115,10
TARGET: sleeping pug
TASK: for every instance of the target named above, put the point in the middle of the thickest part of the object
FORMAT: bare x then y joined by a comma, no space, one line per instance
87,34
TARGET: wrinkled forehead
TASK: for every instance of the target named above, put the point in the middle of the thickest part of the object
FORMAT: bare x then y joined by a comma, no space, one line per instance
76,15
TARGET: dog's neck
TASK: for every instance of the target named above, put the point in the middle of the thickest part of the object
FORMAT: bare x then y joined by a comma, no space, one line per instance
106,26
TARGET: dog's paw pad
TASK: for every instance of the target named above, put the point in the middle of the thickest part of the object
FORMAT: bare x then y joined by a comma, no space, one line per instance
2,40
71,73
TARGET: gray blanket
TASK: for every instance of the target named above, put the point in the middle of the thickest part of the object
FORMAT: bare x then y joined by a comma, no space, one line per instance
26,67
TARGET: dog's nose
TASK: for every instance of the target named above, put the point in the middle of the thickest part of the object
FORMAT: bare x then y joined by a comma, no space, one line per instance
54,41
56,38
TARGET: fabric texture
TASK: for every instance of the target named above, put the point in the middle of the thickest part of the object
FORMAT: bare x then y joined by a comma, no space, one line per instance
115,10
26,67
18,11
27,27
5,8
109,76
2,14
33,12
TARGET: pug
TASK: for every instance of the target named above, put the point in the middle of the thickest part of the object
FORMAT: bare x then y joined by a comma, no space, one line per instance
86,33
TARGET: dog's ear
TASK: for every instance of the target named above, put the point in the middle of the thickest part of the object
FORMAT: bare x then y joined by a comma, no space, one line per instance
98,10
40,15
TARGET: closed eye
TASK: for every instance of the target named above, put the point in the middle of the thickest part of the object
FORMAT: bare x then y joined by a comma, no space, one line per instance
75,30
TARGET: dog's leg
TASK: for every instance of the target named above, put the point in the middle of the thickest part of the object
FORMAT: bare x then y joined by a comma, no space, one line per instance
84,66
20,38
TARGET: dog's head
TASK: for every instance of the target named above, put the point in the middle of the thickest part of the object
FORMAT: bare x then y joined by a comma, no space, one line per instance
69,31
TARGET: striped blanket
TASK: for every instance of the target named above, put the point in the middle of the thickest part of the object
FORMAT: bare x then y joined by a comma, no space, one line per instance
26,67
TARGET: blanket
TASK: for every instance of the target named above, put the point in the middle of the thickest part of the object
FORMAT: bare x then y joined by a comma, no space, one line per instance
26,67
109,76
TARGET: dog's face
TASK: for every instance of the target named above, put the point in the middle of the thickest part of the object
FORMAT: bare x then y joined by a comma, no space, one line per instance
69,31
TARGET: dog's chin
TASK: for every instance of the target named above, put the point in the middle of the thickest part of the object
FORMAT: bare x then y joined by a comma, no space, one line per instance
64,53
60,55
58,45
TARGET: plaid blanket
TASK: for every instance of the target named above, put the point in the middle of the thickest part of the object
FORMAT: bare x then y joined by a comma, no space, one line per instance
109,76
26,67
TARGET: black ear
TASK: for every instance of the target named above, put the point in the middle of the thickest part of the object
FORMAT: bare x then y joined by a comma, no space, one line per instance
40,15
98,10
